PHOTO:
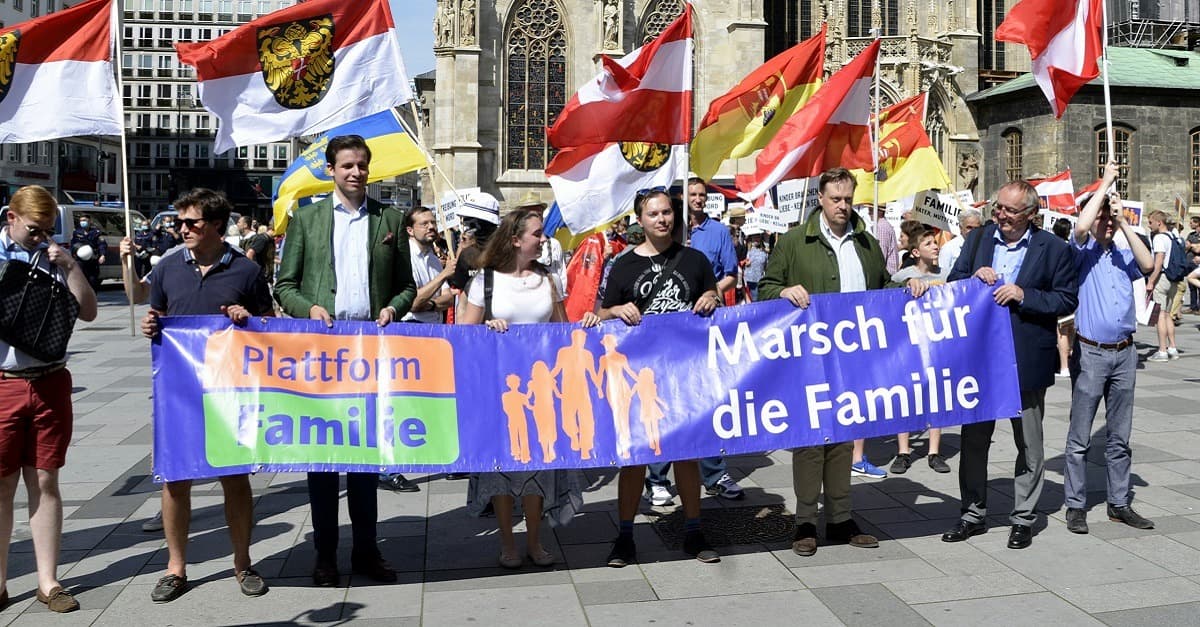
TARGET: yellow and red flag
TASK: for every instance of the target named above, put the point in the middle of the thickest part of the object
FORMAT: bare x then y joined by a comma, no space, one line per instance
907,159
748,116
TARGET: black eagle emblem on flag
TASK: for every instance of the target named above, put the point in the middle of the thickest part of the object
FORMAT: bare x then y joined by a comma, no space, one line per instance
9,42
297,60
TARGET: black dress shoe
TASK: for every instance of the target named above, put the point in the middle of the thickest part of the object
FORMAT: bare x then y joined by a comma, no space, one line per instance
325,574
398,483
373,567
1020,537
1077,520
1125,514
963,530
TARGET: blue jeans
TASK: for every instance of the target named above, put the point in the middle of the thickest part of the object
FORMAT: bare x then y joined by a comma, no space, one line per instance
711,469
1097,374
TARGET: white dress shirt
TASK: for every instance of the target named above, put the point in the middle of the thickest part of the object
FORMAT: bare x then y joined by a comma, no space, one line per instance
351,263
850,268
425,268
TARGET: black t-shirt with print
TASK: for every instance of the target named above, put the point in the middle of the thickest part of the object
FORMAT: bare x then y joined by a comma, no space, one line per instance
633,276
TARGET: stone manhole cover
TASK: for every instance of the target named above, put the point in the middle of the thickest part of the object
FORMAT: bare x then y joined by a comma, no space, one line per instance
754,524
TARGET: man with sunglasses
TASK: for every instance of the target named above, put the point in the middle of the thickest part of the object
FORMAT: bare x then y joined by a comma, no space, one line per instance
207,277
1035,278
35,401
347,258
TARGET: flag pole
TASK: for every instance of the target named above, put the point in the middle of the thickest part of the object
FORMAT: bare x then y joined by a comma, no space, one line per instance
1108,125
689,71
875,146
115,37
433,168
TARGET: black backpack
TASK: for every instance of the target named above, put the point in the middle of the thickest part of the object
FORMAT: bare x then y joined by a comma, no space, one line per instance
1177,263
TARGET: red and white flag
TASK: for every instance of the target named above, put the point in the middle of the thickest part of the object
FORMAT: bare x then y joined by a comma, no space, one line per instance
830,131
300,71
1057,192
624,131
56,76
645,96
1086,192
1065,39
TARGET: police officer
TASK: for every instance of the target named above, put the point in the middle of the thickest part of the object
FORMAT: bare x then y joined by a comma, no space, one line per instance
88,235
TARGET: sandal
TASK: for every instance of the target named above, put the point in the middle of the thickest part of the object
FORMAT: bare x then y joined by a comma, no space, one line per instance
541,557
58,600
251,583
168,589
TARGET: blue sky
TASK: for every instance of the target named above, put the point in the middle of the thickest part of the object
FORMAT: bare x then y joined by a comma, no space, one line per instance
414,24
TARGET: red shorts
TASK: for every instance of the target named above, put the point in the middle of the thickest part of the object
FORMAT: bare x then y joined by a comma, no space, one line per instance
35,422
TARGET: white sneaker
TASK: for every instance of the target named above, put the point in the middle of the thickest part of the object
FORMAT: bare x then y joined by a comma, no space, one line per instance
659,495
1159,356
1173,353
1063,374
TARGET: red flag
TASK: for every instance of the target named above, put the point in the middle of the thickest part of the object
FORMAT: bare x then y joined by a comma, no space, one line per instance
830,131
56,76
1057,192
584,272
1064,40
646,96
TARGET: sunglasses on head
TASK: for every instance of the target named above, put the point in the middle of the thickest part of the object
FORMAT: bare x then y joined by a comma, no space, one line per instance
650,190
190,223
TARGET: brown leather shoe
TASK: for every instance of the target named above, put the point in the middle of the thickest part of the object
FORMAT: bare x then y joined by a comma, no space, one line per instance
804,541
847,532
58,600
4,599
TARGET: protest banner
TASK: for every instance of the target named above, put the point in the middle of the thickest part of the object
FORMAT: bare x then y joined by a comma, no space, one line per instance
714,205
290,395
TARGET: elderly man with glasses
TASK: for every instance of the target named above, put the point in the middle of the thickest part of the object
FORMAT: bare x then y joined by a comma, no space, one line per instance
1035,278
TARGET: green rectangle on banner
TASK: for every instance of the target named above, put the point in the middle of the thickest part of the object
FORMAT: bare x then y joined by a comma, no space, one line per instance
249,427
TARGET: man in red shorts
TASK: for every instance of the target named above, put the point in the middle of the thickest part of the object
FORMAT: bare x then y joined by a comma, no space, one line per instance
35,401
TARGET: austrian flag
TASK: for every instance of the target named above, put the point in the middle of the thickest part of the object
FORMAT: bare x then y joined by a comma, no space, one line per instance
56,76
300,71
1064,38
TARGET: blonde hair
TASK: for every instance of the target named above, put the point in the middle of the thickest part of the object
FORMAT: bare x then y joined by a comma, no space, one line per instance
34,202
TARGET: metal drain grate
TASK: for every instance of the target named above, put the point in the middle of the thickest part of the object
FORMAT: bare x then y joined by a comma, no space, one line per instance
754,524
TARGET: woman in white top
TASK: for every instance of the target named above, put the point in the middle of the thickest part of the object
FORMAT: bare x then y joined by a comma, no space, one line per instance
523,292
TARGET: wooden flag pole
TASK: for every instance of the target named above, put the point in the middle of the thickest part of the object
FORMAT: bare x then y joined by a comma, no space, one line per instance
688,69
1108,124
875,147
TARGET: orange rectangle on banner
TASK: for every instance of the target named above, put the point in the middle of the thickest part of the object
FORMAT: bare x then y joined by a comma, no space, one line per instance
325,364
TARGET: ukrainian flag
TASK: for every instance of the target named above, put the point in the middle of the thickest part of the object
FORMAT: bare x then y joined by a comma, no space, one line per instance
393,152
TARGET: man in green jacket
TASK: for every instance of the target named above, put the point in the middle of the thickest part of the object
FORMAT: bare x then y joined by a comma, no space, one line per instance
346,258
831,252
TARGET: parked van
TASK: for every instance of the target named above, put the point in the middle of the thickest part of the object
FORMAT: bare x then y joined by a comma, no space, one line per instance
110,221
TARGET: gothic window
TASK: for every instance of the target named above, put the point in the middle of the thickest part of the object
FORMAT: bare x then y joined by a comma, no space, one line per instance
1122,138
1012,153
535,81
858,18
935,126
991,52
659,18
1196,167
788,23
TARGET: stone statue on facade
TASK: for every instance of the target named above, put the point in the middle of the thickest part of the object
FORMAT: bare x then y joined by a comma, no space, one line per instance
467,23
968,170
444,26
612,24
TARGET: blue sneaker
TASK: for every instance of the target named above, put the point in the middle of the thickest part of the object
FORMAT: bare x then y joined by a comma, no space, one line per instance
867,469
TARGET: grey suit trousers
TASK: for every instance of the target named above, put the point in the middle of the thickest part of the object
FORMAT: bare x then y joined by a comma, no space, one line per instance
1030,465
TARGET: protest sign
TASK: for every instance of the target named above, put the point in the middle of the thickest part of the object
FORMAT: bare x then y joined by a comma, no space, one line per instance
714,205
937,210
290,395
797,198
1050,217
1133,210
447,213
765,218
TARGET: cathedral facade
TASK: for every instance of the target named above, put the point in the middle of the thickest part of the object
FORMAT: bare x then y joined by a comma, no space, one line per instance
506,68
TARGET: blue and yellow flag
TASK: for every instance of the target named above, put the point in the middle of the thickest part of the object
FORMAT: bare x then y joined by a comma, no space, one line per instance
393,152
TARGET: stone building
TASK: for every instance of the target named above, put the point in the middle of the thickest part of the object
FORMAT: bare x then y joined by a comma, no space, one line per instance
1156,128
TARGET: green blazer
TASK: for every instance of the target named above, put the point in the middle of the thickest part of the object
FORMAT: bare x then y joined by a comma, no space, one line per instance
306,275
802,256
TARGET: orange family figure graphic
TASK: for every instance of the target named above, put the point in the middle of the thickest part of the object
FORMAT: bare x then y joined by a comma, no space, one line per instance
544,391
614,367
515,403
577,365
653,409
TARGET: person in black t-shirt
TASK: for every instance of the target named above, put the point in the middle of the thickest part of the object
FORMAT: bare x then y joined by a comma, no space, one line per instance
659,276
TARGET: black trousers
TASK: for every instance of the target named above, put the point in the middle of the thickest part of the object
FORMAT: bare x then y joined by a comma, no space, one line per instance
362,499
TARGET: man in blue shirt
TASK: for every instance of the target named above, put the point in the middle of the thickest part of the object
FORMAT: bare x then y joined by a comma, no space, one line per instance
711,238
1104,361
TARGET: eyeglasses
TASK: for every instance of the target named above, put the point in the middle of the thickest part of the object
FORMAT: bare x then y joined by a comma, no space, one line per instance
190,223
33,230
1012,211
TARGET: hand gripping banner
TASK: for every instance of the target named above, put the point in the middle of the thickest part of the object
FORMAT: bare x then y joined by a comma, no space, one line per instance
288,395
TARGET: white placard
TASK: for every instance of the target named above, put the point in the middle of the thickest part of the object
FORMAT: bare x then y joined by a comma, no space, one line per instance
795,196
1050,217
447,213
714,205
767,218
